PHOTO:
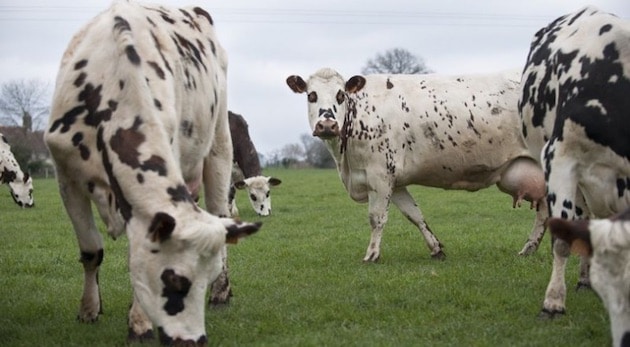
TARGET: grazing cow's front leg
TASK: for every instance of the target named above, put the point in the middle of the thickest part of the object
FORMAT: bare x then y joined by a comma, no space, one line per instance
407,205
217,176
79,210
140,326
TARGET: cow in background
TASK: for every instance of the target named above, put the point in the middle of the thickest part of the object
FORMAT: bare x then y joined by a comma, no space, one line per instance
575,108
20,183
607,243
138,126
247,173
386,132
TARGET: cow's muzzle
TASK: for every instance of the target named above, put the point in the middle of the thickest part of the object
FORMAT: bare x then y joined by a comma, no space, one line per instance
326,129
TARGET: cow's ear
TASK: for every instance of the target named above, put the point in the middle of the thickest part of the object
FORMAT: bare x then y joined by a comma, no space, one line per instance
355,83
296,83
240,230
240,184
575,233
273,181
161,227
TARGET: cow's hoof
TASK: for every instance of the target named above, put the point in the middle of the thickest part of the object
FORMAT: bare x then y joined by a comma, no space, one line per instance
372,258
146,336
439,255
528,249
546,314
581,285
218,305
89,319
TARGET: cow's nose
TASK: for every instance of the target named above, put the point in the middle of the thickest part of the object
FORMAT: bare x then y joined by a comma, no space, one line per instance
326,129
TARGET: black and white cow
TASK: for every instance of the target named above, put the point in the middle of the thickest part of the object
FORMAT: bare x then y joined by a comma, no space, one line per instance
247,173
575,107
607,243
138,124
386,132
20,183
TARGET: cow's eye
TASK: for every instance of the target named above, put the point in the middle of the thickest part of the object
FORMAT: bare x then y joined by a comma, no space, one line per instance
341,96
312,97
267,195
252,196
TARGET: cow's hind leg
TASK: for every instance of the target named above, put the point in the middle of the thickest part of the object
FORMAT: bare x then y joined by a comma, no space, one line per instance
407,205
523,179
79,209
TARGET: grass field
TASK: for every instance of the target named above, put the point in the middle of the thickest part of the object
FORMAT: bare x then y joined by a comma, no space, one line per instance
301,282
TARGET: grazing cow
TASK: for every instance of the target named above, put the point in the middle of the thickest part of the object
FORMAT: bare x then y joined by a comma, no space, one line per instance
138,124
607,243
575,111
250,176
20,183
386,132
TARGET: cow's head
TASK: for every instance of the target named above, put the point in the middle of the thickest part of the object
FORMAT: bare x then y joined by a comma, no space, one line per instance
607,242
171,266
258,189
327,93
22,190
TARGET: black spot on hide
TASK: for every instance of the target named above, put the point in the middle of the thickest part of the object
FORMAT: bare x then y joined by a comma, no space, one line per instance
175,291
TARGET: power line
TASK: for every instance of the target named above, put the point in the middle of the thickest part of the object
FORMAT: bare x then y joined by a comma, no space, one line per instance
296,16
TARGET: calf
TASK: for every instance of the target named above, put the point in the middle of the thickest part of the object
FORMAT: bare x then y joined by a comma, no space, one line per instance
386,132
20,183
575,112
138,124
607,243
247,173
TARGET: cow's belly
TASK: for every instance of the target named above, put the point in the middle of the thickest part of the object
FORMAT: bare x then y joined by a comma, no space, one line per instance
606,188
454,169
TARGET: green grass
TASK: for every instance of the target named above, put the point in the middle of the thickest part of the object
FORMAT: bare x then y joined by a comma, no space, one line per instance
301,282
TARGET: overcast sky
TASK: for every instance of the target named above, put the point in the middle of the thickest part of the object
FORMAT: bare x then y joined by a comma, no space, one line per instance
268,40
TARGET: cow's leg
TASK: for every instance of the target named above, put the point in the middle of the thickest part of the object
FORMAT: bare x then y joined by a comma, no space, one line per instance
90,241
140,327
221,290
407,205
523,179
563,200
556,289
538,230
217,174
377,210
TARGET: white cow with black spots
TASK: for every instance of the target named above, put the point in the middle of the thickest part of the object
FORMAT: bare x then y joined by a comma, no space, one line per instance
386,132
607,243
575,107
20,183
138,125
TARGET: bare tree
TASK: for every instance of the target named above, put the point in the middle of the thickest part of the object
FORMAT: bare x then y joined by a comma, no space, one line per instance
24,103
396,61
316,153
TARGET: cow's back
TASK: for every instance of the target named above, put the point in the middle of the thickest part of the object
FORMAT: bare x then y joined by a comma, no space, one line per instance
442,131
579,59
138,71
575,89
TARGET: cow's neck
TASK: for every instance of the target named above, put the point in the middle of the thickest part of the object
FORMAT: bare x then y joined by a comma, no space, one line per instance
246,158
